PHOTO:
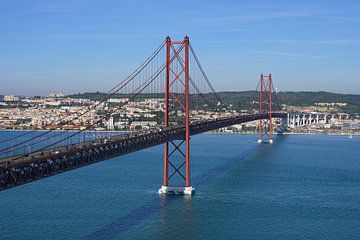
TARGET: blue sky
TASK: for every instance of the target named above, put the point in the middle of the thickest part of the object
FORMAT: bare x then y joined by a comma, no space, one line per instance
90,45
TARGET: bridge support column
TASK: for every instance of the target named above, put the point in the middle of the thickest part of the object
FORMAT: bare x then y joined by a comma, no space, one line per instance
288,120
179,157
265,125
304,120
293,121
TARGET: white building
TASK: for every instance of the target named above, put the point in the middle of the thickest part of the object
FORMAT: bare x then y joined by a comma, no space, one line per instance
117,100
110,124
10,98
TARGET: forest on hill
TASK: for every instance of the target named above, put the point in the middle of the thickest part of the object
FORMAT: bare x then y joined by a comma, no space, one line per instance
245,99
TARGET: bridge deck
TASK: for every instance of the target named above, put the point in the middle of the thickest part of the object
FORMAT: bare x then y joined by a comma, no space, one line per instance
22,169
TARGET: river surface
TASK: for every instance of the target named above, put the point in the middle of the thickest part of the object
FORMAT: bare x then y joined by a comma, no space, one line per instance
301,187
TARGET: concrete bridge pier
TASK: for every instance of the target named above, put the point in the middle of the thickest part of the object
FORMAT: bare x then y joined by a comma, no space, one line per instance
288,119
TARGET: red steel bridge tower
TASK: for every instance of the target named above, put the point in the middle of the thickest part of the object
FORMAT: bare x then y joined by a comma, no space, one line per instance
177,99
265,101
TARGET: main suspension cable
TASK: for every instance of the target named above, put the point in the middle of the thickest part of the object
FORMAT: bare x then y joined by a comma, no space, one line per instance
115,89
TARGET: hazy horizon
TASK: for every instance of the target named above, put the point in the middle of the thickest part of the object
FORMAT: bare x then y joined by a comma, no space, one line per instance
223,91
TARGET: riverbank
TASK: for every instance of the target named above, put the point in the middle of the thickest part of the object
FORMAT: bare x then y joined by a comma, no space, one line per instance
211,132
286,133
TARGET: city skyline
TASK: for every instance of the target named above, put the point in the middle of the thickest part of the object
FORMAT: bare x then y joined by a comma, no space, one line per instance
85,46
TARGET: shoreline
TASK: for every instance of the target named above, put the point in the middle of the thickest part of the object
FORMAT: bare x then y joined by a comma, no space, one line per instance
208,133
288,133
45,130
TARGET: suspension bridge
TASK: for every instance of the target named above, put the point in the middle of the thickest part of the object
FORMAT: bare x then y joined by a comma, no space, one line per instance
173,73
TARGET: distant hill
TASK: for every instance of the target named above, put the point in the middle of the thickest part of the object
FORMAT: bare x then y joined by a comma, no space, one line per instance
301,98
244,99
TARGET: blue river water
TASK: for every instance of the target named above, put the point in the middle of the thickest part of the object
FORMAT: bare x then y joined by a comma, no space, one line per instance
301,187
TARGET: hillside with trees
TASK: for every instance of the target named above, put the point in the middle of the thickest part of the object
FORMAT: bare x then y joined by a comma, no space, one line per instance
245,99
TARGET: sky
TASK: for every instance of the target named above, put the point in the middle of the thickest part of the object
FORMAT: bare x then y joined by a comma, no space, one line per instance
90,45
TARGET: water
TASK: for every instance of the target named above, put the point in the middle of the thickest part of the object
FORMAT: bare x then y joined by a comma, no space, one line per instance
302,187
